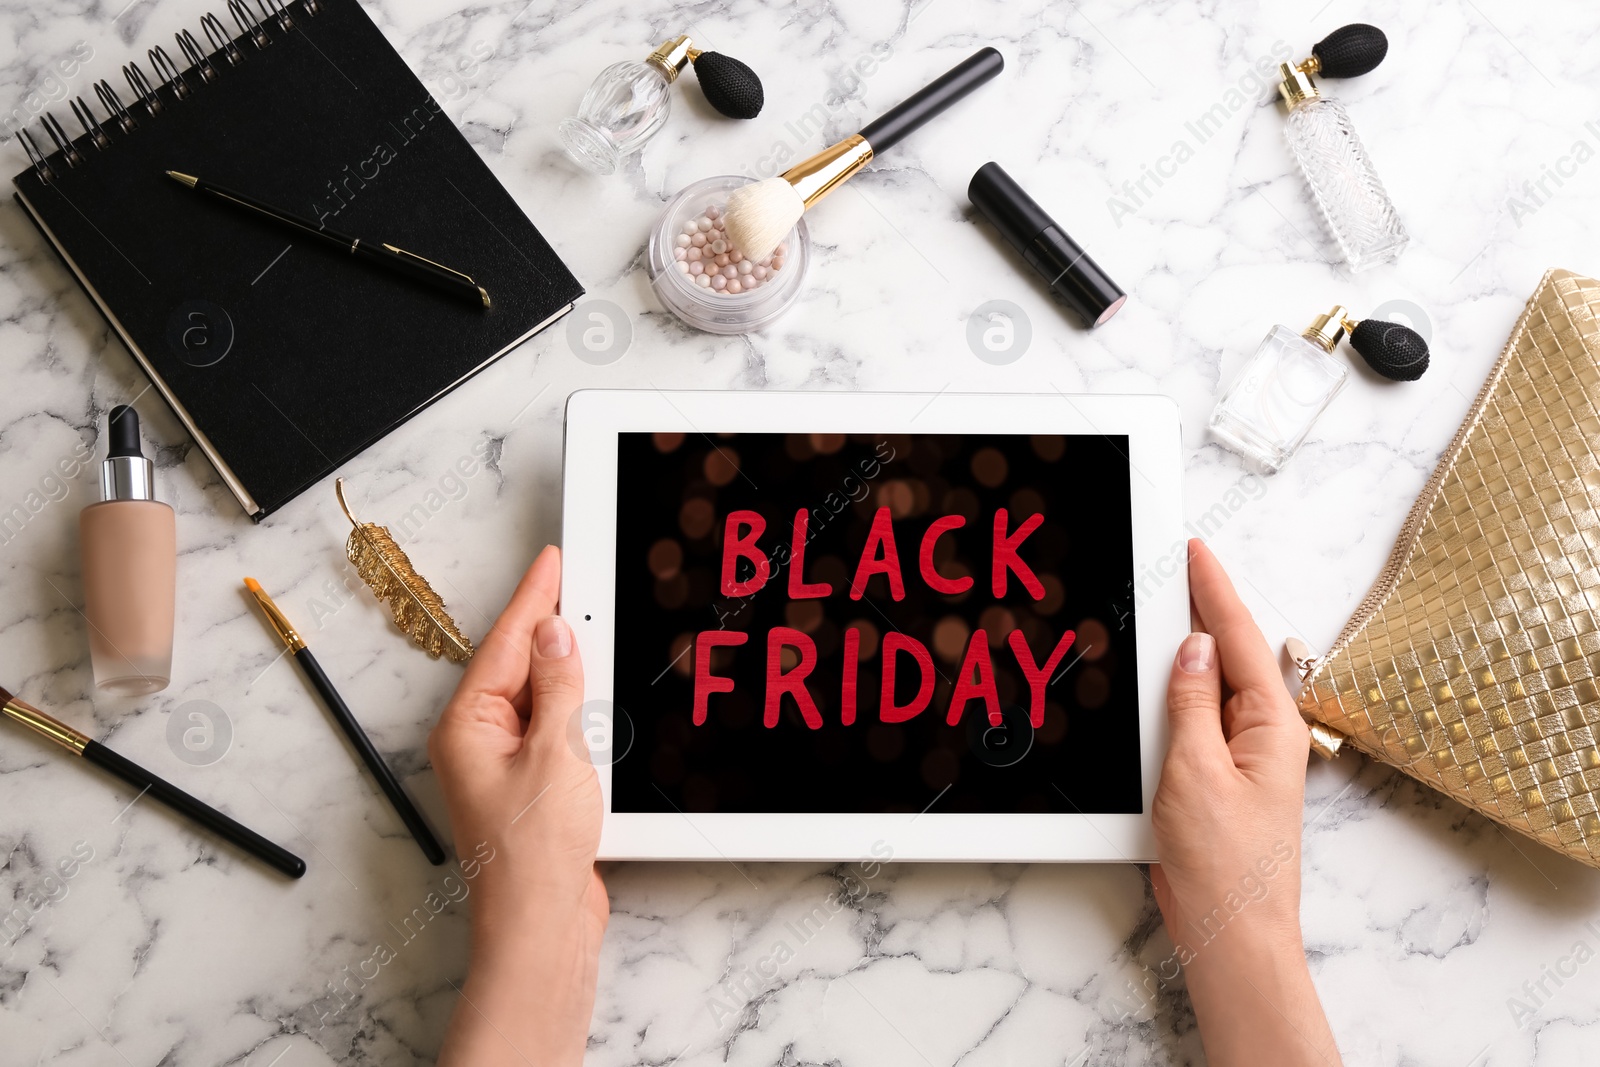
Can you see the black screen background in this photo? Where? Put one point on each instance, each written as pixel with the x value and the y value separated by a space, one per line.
pixel 674 494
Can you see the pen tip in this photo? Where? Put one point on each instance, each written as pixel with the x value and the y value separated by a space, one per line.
pixel 485 294
pixel 187 179
pixel 252 585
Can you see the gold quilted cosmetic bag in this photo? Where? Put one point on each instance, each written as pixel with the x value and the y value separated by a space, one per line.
pixel 1471 665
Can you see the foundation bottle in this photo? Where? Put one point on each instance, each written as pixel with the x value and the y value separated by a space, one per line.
pixel 129 542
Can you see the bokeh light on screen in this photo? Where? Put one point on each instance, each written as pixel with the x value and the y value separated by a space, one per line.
pixel 826 444
pixel 950 638
pixel 721 465
pixel 989 467
pixel 697 517
pixel 1094 640
pixel 665 559
pixel 1048 447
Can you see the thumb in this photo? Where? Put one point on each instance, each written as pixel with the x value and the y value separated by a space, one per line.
pixel 1194 699
pixel 555 678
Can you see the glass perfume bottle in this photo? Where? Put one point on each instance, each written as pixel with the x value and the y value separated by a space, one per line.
pixel 627 104
pixel 1346 187
pixel 1292 378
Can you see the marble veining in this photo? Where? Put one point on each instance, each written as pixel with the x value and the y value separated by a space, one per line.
pixel 1434 937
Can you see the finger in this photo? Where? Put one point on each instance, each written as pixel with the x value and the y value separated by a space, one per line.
pixel 1247 662
pixel 1194 701
pixel 500 666
pixel 555 680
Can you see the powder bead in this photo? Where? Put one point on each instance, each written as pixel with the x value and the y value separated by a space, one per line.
pixel 705 253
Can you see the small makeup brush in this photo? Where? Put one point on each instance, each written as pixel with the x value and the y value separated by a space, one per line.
pixel 759 216
pixel 86 747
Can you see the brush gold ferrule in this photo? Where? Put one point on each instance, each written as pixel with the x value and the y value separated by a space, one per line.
pixel 818 176
pixel 671 57
pixel 279 621
pixel 187 179
pixel 40 723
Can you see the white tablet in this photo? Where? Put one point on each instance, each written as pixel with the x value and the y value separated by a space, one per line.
pixel 836 626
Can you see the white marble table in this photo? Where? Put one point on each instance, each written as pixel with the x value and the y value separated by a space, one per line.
pixel 1422 920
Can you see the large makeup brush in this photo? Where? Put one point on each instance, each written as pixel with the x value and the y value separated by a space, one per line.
pixel 761 215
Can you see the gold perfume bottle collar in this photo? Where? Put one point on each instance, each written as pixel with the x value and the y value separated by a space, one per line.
pixel 1327 330
pixel 1296 86
pixel 671 57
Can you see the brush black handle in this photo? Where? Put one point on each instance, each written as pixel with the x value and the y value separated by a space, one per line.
pixel 886 131
pixel 369 755
pixel 200 812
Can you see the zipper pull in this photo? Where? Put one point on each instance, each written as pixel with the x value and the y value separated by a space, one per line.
pixel 1304 656
pixel 1325 741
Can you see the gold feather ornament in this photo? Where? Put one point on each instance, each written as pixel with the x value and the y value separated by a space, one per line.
pixel 417 609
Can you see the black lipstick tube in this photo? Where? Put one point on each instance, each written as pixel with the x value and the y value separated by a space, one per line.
pixel 1064 266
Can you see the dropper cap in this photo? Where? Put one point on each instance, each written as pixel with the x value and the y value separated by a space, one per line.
pixel 126 474
pixel 124 426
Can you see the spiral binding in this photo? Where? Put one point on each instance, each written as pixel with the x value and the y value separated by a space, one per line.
pixel 249 25
pixel 141 87
pixel 91 127
pixel 113 105
pixel 217 34
pixel 198 60
pixel 171 85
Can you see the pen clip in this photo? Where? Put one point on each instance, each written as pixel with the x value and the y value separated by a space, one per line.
pixel 424 259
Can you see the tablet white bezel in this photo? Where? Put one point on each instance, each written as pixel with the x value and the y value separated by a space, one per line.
pixel 594 418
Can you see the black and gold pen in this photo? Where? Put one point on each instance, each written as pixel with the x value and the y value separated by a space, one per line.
pixel 81 744
pixel 347 722
pixel 383 255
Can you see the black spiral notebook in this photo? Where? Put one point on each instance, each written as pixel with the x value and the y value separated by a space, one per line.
pixel 282 357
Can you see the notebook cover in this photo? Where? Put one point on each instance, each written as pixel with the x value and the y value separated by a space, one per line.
pixel 283 357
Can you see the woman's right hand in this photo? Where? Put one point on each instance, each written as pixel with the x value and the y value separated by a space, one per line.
pixel 1227 818
pixel 525 811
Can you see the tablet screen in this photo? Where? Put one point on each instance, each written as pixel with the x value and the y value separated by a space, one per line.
pixel 830 623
